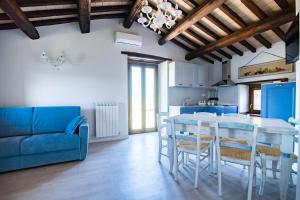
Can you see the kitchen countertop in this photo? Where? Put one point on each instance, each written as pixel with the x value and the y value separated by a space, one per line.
pixel 204 106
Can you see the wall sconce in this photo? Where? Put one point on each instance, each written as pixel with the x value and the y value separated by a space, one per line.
pixel 55 62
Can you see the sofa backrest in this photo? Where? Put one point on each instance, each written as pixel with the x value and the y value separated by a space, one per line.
pixel 15 121
pixel 53 119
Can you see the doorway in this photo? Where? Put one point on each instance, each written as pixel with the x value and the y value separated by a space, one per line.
pixel 142 78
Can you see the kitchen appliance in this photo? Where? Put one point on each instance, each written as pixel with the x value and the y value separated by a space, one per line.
pixel 212 101
pixel 237 95
pixel 226 75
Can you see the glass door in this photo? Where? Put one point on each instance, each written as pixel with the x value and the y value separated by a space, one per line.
pixel 142 97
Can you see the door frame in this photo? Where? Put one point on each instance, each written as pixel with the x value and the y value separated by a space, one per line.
pixel 143 66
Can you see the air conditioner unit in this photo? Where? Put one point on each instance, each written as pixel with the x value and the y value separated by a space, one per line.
pixel 129 39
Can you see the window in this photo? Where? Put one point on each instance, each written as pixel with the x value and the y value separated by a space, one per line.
pixel 255 99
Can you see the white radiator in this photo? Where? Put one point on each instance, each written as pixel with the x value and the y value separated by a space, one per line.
pixel 107 120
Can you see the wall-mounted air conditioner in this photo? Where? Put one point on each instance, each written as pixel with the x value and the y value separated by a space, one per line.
pixel 129 39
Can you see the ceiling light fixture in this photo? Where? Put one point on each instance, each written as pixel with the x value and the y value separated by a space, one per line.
pixel 156 20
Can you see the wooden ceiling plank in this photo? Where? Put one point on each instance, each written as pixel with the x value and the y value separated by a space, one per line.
pixel 178 43
pixel 62 21
pixel 212 34
pixel 262 15
pixel 283 4
pixel 84 7
pixel 32 3
pixel 195 35
pixel 205 41
pixel 198 13
pixel 133 13
pixel 12 9
pixel 237 19
pixel 229 31
pixel 217 37
pixel 249 31
pixel 61 12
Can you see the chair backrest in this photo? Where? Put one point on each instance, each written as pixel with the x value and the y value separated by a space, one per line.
pixel 160 117
pixel 247 116
pixel 247 131
pixel 181 129
pixel 295 122
pixel 208 114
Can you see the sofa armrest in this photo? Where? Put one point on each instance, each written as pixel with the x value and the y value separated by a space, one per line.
pixel 84 135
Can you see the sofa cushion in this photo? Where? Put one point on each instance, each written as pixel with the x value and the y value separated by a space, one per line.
pixel 15 121
pixel 10 146
pixel 43 143
pixel 53 119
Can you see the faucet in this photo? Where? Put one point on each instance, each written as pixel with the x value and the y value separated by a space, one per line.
pixel 184 102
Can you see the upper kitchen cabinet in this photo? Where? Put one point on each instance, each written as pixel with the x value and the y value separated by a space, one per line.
pixel 187 75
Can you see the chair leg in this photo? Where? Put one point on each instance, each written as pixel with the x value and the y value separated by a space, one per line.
pixel 197 170
pixel 264 175
pixel 274 168
pixel 254 176
pixel 250 184
pixel 291 181
pixel 210 158
pixel 175 164
pixel 159 150
pixel 219 170
pixel 171 154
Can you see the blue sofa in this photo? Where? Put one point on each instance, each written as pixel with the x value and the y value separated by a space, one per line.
pixel 35 136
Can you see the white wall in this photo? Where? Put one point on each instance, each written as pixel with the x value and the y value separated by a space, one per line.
pixel 95 70
pixel 177 95
pixel 215 72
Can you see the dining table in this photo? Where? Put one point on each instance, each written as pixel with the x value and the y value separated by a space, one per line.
pixel 270 131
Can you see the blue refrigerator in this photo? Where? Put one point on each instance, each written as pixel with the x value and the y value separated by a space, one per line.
pixel 278 100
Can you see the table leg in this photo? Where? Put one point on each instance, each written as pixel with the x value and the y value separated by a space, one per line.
pixel 286 164
pixel 171 154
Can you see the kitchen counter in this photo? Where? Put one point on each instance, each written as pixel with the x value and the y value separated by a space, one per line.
pixel 218 109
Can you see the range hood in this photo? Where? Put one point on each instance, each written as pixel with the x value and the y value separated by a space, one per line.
pixel 226 77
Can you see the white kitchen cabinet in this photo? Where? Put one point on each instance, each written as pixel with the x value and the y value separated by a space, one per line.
pixel 175 75
pixel 201 77
pixel 187 75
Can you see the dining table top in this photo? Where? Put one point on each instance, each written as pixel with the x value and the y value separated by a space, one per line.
pixel 269 125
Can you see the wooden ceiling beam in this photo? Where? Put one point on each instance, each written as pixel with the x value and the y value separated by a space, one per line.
pixel 262 15
pixel 249 31
pixel 198 13
pixel 131 17
pixel 237 19
pixel 62 21
pixel 84 7
pixel 283 4
pixel 12 9
pixel 61 12
pixel 227 30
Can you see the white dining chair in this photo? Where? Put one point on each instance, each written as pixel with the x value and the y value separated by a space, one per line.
pixel 186 143
pixel 235 152
pixel 162 133
pixel 269 152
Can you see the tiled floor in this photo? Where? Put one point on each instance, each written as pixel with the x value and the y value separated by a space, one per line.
pixel 124 170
